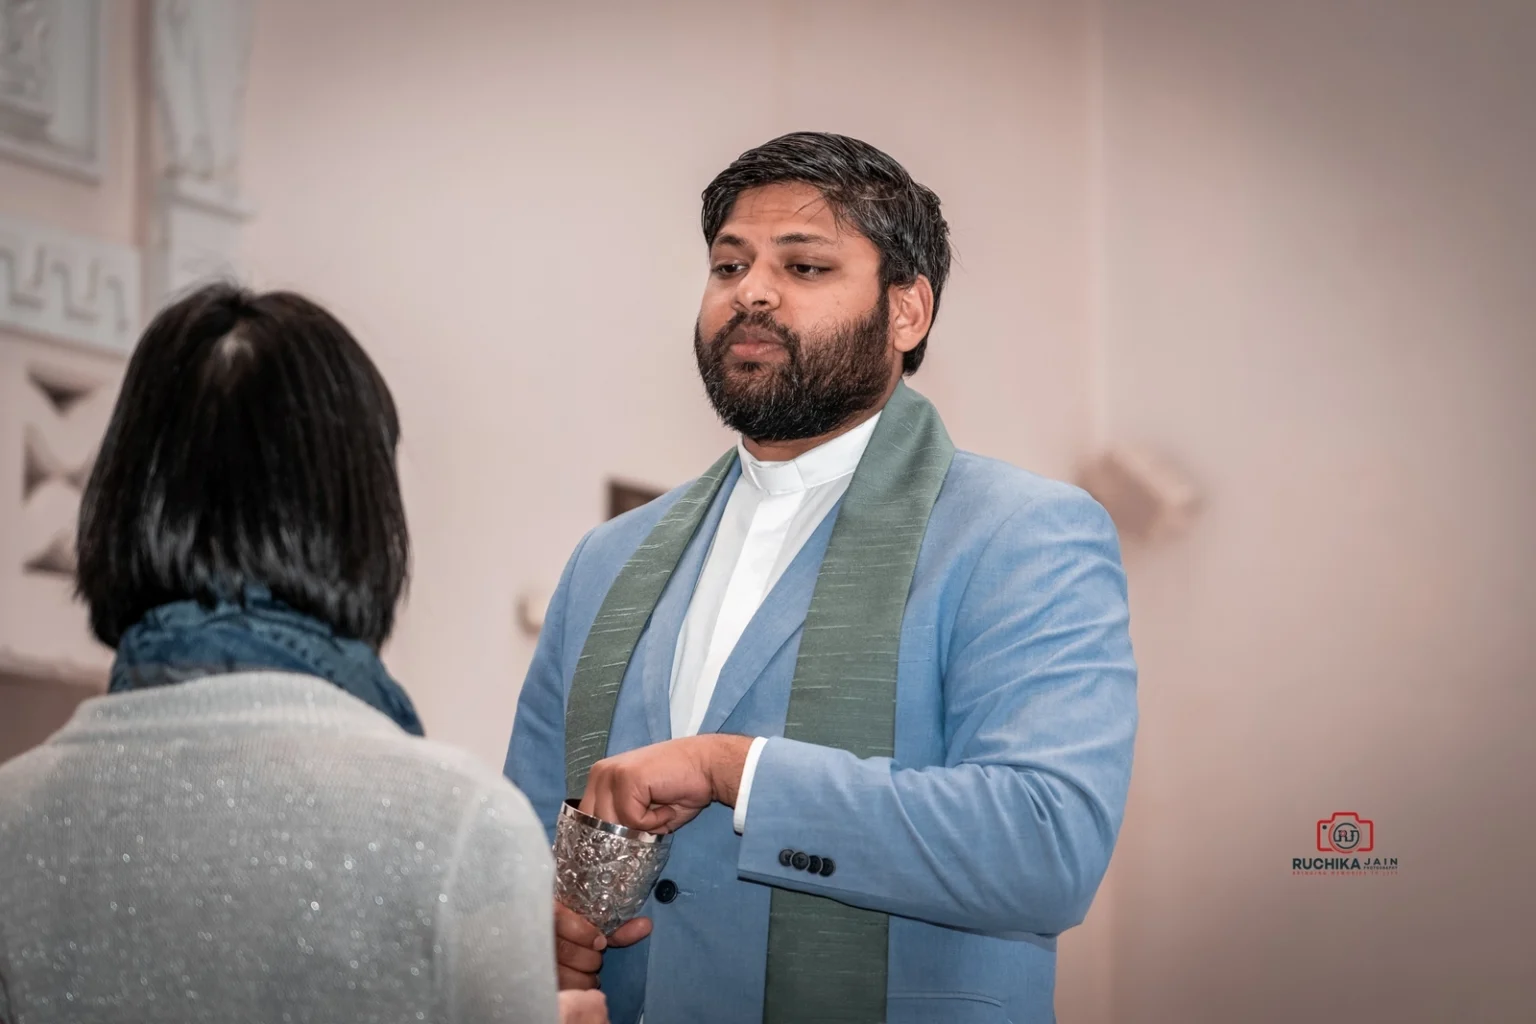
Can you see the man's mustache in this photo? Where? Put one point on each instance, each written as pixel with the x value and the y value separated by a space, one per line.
pixel 762 322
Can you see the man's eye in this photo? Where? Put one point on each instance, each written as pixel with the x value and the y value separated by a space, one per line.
pixel 727 269
pixel 807 270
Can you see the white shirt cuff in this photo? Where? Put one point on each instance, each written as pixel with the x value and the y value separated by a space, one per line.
pixel 739 818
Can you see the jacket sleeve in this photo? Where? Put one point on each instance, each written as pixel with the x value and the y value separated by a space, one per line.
pixel 536 753
pixel 1013 833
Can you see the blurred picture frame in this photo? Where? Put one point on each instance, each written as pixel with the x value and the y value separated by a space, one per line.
pixel 625 495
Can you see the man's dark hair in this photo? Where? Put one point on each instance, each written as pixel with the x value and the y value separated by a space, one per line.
pixel 866 189
pixel 253 443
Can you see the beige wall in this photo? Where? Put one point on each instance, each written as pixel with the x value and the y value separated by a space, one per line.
pixel 1317 255
pixel 502 201
pixel 109 209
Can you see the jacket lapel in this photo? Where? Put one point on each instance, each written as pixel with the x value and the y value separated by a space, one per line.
pixel 780 615
pixel 667 618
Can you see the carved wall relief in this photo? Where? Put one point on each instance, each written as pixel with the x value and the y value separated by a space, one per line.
pixel 77 290
pixel 26 60
pixel 201 55
pixel 60 435
pixel 51 84
pixel 54 408
pixel 72 307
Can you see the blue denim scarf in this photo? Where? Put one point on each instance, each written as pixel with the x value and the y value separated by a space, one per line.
pixel 182 641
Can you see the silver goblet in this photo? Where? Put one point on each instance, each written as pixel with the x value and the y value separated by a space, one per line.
pixel 604 871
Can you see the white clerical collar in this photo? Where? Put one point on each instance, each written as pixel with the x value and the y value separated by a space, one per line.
pixel 823 464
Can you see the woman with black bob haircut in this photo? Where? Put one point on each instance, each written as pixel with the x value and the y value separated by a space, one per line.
pixel 244 511
pixel 244 826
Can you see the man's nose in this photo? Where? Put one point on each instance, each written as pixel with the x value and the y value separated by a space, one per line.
pixel 756 290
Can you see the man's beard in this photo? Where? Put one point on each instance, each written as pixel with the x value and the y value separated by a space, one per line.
pixel 814 390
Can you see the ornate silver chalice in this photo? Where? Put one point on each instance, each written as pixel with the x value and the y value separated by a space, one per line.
pixel 604 871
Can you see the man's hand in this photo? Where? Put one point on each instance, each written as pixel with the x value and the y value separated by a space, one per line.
pixel 583 1008
pixel 662 787
pixel 579 947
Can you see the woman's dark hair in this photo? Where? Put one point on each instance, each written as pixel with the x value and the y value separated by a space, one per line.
pixel 253 443
pixel 866 189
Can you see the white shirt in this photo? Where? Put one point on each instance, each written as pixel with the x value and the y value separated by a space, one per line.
pixel 771 513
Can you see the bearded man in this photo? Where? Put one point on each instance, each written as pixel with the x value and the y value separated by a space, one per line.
pixel 882 690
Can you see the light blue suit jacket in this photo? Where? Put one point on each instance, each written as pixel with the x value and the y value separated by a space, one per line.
pixel 985 836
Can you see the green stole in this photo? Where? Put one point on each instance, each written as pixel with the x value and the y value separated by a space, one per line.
pixel 827 961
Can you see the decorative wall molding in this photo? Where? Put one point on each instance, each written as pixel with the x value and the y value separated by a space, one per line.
pixel 52 84
pixel 55 402
pixel 55 399
pixel 201 57
pixel 26 60
pixel 66 288
pixel 63 417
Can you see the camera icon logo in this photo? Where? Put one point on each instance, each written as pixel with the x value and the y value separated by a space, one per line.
pixel 1346 832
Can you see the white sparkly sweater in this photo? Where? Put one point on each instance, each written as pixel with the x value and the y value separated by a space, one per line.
pixel 264 847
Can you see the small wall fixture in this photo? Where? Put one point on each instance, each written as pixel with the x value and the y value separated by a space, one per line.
pixel 1148 498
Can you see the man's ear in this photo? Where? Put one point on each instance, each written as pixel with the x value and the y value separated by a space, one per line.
pixel 911 313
